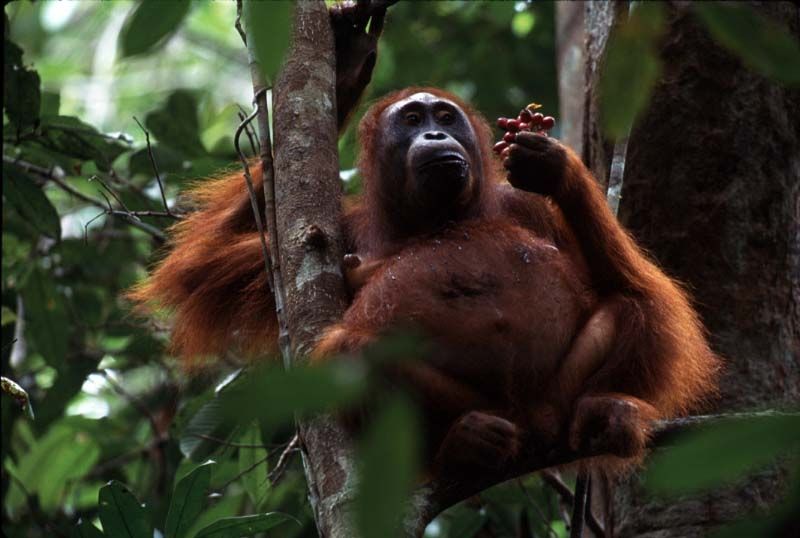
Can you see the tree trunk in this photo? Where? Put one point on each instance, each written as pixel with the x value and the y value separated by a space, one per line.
pixel 711 189
pixel 308 206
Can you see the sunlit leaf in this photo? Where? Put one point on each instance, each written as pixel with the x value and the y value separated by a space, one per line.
pixel 253 464
pixel 234 527
pixel 388 459
pixel 31 202
pixel 522 23
pixel 187 501
pixel 84 529
pixel 121 514
pixel 63 454
pixel 151 23
pixel 8 316
pixel 761 43
pixel 268 25
pixel 631 68
pixel 705 459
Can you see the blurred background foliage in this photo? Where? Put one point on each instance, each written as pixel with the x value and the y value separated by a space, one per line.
pixel 116 424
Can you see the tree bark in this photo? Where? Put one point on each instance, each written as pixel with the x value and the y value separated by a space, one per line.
pixel 308 206
pixel 711 189
pixel 571 62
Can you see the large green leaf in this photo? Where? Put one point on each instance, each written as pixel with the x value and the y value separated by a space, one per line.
pixel 268 26
pixel 705 459
pixel 209 422
pixel 31 202
pixel 234 527
pixel 46 316
pixel 176 124
pixel 121 514
pixel 387 468
pixel 631 67
pixel 761 43
pixel 152 23
pixel 187 501
pixel 63 454
pixel 300 390
pixel 253 464
pixel 21 92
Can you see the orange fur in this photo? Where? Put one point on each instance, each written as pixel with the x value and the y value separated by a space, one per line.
pixel 507 294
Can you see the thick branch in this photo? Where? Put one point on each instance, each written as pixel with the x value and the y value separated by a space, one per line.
pixel 308 206
pixel 435 497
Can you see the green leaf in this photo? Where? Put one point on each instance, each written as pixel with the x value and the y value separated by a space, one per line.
pixel 187 501
pixel 51 103
pixel 234 527
pixel 121 514
pixel 762 44
pixel 62 455
pixel 21 89
pixel 8 316
pixel 84 529
pixel 522 23
pixel 73 137
pixel 46 316
pixel 388 463
pixel 151 24
pixel 268 26
pixel 705 459
pixel 300 390
pixel 253 465
pixel 31 202
pixel 209 421
pixel 176 125
pixel 631 68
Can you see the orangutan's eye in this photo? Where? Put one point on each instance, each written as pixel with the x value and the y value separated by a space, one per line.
pixel 445 117
pixel 413 118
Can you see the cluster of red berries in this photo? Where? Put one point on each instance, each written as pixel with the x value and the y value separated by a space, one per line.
pixel 527 120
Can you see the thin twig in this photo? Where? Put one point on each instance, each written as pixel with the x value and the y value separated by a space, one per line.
pixel 293 446
pixel 553 479
pixel 238 23
pixel 224 442
pixel 134 401
pixel 536 507
pixel 579 504
pixel 153 163
pixel 260 88
pixel 56 175
pixel 248 130
pixel 253 201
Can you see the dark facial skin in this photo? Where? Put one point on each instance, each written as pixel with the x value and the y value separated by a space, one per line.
pixel 430 160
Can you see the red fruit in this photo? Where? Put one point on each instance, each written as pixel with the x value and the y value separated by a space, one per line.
pixel 548 122
pixel 499 147
pixel 524 126
pixel 505 152
pixel 537 118
pixel 513 125
pixel 502 122
pixel 525 116
pixel 509 137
